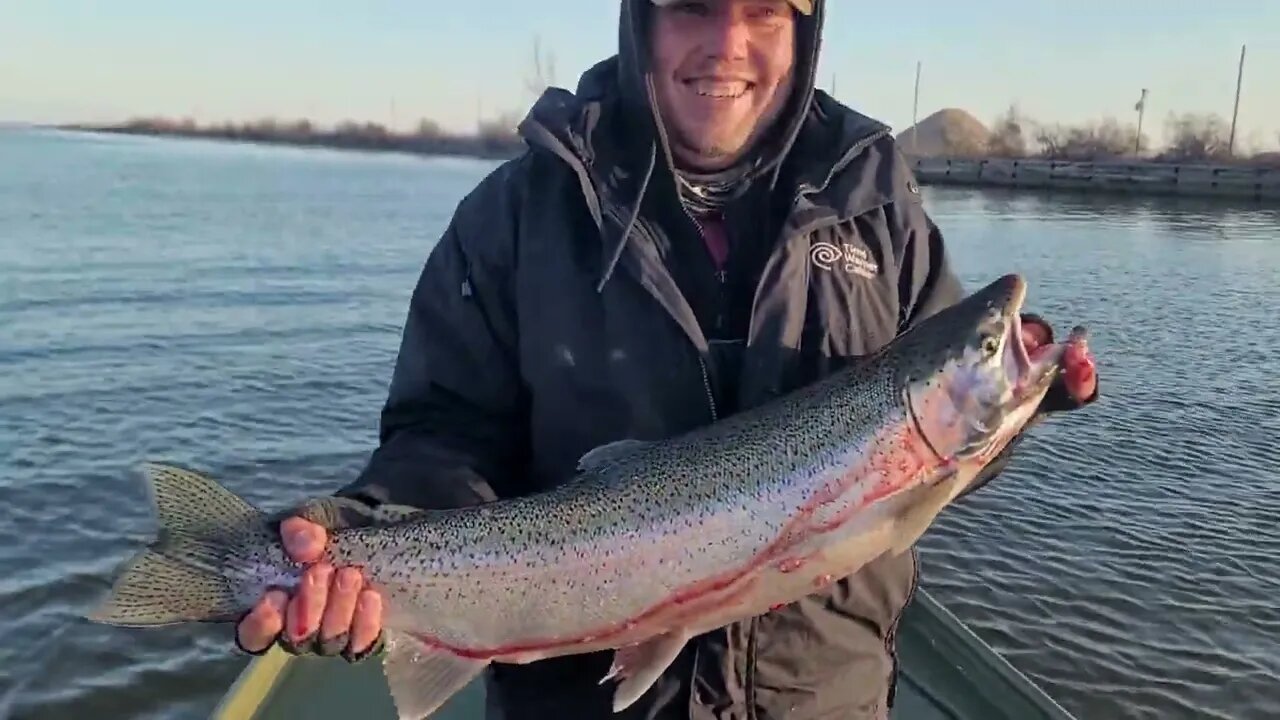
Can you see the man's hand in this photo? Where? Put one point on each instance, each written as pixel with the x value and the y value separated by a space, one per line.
pixel 331 613
pixel 1079 374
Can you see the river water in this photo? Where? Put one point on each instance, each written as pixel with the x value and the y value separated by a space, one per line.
pixel 236 308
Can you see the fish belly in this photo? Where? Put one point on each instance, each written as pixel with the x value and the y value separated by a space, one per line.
pixel 601 589
pixel 609 579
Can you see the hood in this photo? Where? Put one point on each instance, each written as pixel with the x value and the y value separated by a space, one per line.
pixel 641 109
pixel 606 132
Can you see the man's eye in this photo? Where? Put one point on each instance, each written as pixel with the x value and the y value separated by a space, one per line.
pixel 693 8
pixel 768 11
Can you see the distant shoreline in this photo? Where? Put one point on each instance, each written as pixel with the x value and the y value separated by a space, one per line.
pixel 491 146
pixel 1121 175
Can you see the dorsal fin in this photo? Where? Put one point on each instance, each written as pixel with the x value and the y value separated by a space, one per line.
pixel 337 513
pixel 609 453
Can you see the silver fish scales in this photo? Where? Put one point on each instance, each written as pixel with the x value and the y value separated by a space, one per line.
pixel 653 541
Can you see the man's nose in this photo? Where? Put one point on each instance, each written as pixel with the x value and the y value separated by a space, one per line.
pixel 727 36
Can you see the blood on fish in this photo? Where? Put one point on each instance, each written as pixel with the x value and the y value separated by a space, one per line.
pixel 681 606
pixel 822 580
pixel 895 470
pixel 790 565
pixel 909 464
pixel 685 603
pixel 726 600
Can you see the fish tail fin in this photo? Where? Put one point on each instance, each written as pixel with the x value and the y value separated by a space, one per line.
pixel 180 575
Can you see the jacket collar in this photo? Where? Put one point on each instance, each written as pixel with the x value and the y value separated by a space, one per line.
pixel 822 174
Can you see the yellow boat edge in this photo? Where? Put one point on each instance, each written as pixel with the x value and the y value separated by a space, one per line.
pixel 963 675
pixel 246 696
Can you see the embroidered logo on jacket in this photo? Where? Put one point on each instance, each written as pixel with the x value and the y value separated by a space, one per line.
pixel 847 257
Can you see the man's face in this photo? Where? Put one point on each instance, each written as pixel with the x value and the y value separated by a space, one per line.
pixel 722 73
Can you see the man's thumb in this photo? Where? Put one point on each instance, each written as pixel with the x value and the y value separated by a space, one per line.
pixel 304 541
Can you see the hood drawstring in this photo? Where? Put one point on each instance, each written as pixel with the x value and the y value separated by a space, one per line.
pixel 635 213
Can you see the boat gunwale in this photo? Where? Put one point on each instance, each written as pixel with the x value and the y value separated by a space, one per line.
pixel 962 651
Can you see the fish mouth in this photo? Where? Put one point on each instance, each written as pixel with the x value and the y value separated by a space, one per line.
pixel 1027 372
pixel 1029 375
pixel 989 392
pixel 1025 375
pixel 1030 372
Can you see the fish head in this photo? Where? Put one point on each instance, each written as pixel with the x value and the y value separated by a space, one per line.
pixel 968 381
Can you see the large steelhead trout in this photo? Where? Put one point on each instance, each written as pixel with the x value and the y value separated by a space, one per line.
pixel 652 542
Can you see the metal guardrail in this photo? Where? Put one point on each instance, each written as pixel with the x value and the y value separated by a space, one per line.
pixel 1205 180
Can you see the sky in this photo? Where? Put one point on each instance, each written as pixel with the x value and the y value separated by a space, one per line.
pixel 395 62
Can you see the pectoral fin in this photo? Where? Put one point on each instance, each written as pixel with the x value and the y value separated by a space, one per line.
pixel 423 678
pixel 637 667
pixel 921 510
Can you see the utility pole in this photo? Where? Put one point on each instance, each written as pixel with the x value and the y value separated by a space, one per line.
pixel 1142 109
pixel 915 112
pixel 1235 114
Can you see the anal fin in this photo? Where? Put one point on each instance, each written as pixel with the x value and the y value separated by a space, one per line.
pixel 422 678
pixel 637 667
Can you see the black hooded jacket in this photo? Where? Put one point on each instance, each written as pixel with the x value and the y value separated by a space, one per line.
pixel 559 312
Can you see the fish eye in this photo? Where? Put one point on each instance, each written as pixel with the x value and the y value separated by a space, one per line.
pixel 990 345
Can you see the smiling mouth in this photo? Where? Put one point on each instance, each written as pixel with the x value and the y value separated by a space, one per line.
pixel 721 89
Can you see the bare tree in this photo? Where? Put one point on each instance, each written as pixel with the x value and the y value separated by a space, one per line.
pixel 499 129
pixel 429 128
pixel 543 72
pixel 1096 141
pixel 1006 139
pixel 1052 140
pixel 1196 138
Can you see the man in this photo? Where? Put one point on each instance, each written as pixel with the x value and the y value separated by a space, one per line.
pixel 649 265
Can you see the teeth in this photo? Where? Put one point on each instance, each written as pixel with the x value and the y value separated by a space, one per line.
pixel 719 89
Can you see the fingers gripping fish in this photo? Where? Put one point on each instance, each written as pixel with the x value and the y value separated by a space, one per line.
pixel 653 542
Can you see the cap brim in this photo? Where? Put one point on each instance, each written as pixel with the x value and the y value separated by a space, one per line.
pixel 804 6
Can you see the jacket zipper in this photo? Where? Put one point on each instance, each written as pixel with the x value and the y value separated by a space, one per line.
pixel 891 638
pixel 706 385
pixel 722 276
pixel 752 629
pixel 702 364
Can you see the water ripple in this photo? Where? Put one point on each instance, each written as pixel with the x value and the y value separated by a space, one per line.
pixel 237 310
